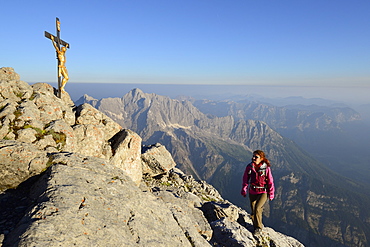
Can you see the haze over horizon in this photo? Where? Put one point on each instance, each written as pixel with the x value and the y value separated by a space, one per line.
pixel 320 48
pixel 221 92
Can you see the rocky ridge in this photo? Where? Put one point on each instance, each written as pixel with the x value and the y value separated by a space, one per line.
pixel 70 176
pixel 289 117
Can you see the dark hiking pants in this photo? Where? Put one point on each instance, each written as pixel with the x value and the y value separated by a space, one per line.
pixel 257 203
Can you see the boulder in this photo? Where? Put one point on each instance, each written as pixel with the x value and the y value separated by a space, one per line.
pixel 183 207
pixel 63 135
pixel 47 89
pixel 90 140
pixel 8 74
pixel 156 160
pixel 26 135
pixel 18 162
pixel 11 87
pixel 50 106
pixel 126 150
pixel 86 114
pixel 218 210
pixel 227 233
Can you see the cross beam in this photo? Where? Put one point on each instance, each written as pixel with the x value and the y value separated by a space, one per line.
pixel 61 42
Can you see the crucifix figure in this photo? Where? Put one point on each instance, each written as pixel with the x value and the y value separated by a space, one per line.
pixel 60 48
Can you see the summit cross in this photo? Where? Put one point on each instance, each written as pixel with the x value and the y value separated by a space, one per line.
pixel 60 48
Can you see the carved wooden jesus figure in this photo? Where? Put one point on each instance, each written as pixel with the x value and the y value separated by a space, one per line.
pixel 62 70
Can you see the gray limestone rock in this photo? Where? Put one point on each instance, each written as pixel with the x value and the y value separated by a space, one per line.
pixel 47 89
pixel 45 142
pixel 88 202
pixel 63 135
pixel 90 140
pixel 8 74
pixel 156 160
pixel 217 210
pixel 279 239
pixel 231 234
pixel 18 162
pixel 182 205
pixel 126 148
pixel 11 87
pixel 7 116
pixel 50 106
pixel 86 114
pixel 26 135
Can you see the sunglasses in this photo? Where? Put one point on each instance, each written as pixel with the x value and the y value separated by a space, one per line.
pixel 255 157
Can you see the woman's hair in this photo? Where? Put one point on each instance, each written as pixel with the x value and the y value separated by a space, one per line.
pixel 263 157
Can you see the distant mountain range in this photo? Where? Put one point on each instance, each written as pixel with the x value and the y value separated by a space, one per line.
pixel 335 136
pixel 214 140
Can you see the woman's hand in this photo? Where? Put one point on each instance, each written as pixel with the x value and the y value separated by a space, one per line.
pixel 244 191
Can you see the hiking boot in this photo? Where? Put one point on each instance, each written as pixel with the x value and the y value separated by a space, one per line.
pixel 257 232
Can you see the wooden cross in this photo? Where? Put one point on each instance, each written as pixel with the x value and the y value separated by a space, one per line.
pixel 60 48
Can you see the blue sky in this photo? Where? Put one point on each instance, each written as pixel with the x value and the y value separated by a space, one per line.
pixel 254 42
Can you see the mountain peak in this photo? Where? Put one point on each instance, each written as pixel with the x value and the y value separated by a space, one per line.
pixel 137 93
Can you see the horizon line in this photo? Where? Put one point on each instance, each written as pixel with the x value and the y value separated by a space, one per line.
pixel 218 84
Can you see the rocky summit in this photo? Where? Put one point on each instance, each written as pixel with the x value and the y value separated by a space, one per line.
pixel 70 175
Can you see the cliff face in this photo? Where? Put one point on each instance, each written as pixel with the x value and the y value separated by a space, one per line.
pixel 71 176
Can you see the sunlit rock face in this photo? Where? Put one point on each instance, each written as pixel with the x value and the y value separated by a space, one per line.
pixel 72 176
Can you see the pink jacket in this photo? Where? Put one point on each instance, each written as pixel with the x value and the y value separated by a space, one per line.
pixel 250 175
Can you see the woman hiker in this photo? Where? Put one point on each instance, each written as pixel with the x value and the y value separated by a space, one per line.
pixel 258 181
